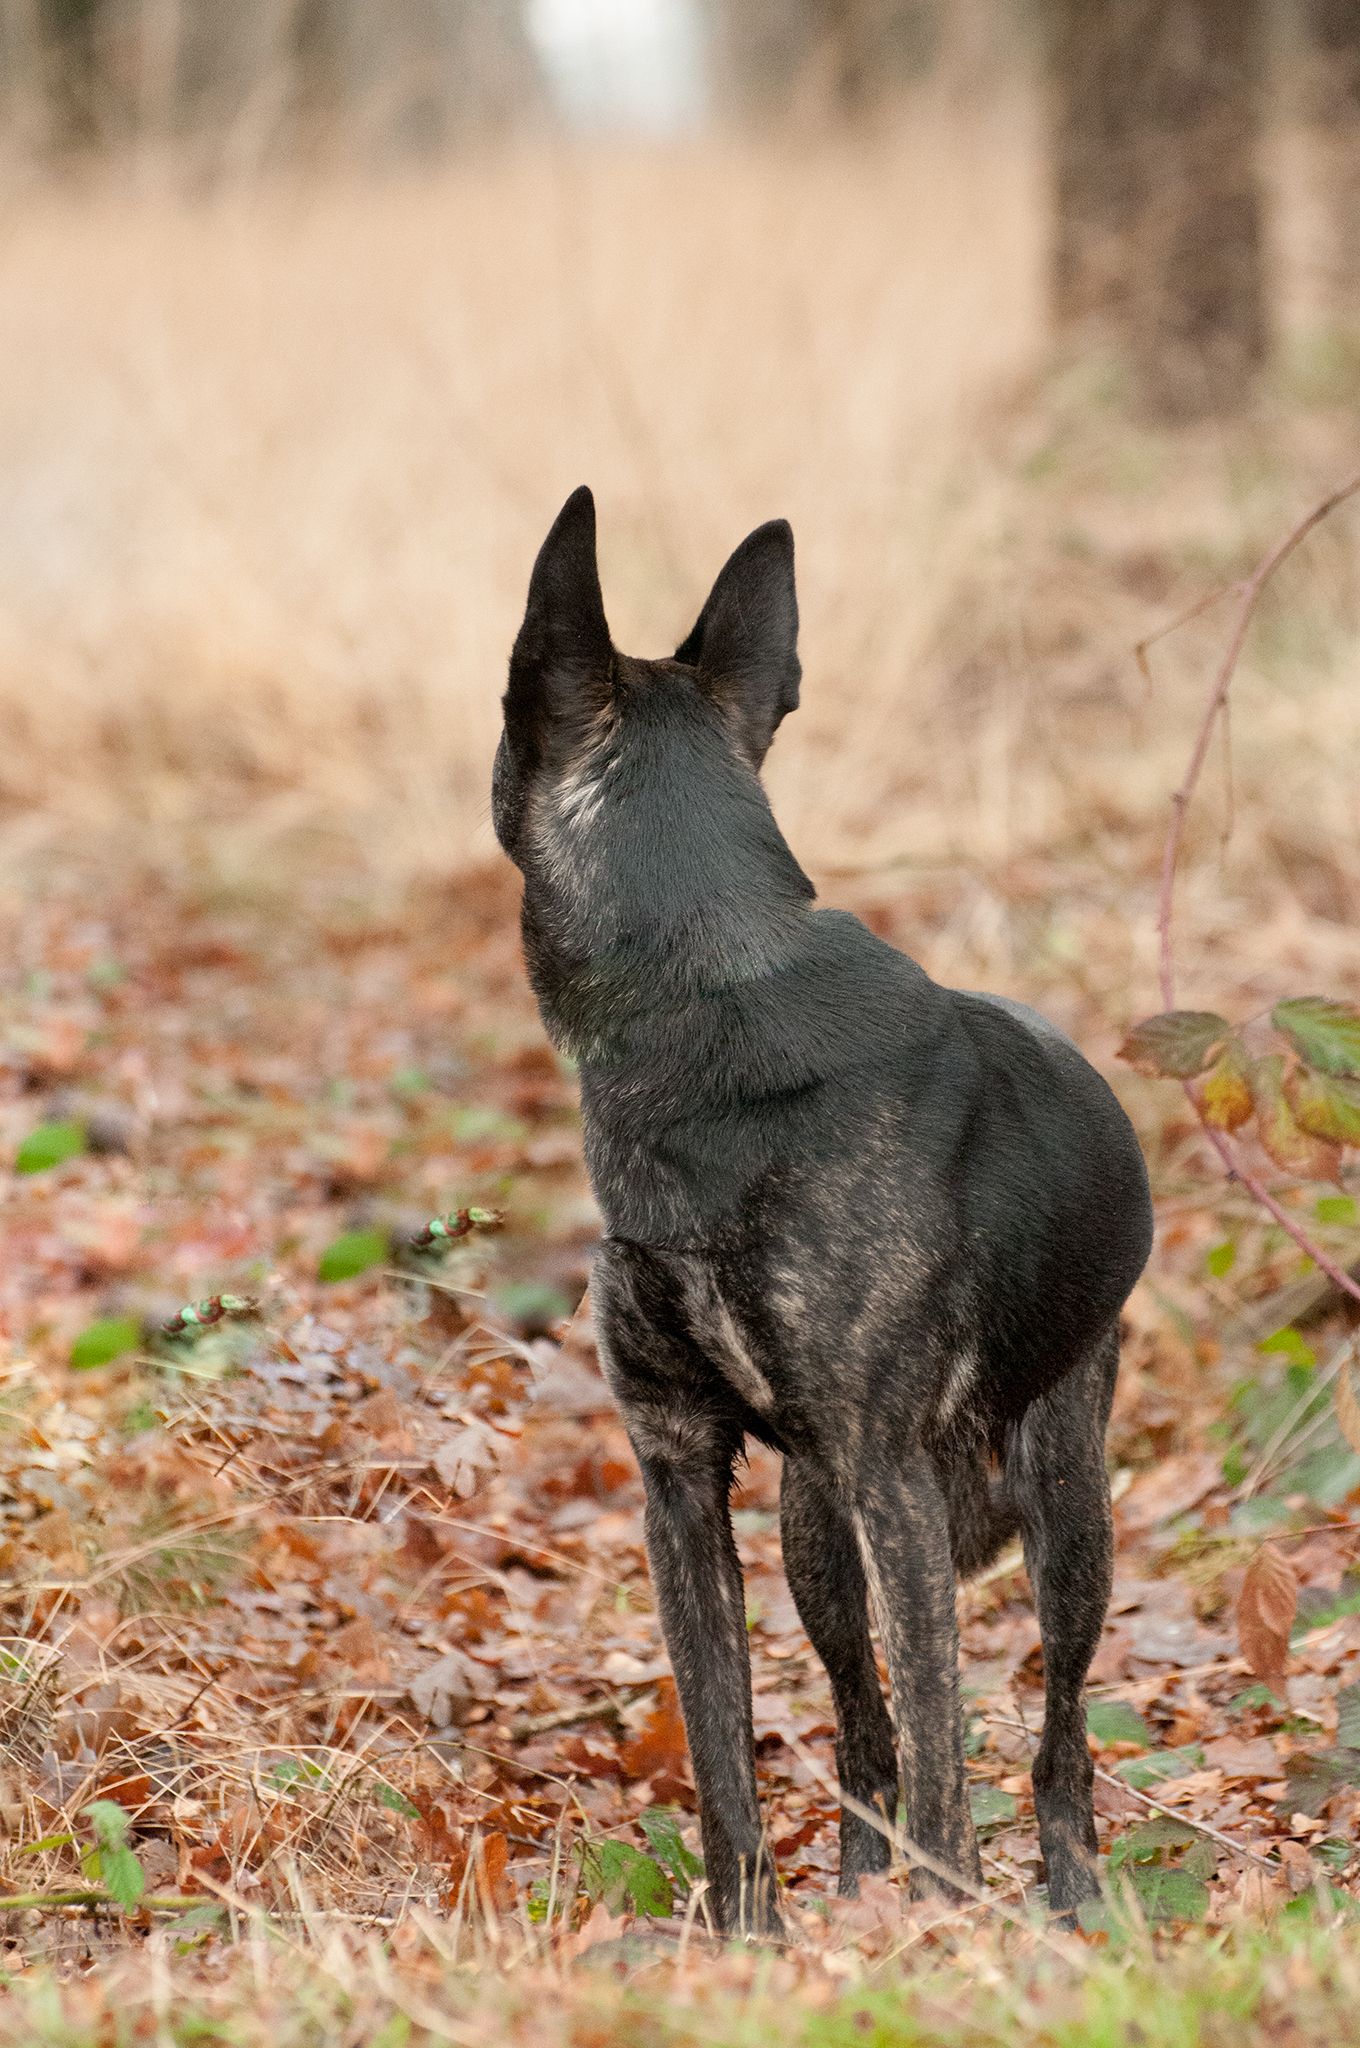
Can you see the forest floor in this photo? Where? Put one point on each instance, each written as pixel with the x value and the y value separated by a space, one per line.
pixel 330 1651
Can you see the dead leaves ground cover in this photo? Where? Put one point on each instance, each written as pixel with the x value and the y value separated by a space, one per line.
pixel 343 1603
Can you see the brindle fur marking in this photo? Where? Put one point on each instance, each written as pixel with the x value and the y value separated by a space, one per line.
pixel 883 1226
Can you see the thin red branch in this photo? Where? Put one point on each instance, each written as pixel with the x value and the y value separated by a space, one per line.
pixel 1249 593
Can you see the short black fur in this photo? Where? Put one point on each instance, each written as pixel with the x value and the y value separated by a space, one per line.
pixel 883 1226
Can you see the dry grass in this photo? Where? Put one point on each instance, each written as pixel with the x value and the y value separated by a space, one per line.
pixel 277 460
pixel 475 1977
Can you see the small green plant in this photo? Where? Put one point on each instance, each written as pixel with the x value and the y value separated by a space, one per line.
pixel 50 1144
pixel 100 1343
pixel 625 1879
pixel 1116 1721
pixel 108 1860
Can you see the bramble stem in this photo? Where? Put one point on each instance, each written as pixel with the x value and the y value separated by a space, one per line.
pixel 1248 593
pixel 85 1895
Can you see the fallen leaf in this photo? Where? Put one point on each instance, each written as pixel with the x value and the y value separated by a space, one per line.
pixel 445 1688
pixel 1266 1607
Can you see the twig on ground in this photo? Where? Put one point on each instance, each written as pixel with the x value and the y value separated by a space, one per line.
pixel 911 1853
pixel 526 1725
pixel 1201 1827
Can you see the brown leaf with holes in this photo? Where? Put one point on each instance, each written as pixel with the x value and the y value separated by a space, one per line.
pixel 1266 1607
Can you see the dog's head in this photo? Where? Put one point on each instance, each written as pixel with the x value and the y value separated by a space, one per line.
pixel 605 757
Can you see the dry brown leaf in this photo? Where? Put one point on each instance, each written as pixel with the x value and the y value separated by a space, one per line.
pixel 658 1751
pixel 445 1687
pixel 1237 1756
pixel 1266 1607
pixel 380 1415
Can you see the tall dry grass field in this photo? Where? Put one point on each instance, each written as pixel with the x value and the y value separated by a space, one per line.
pixel 276 458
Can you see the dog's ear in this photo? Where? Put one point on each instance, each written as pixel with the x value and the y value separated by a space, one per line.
pixel 744 645
pixel 562 662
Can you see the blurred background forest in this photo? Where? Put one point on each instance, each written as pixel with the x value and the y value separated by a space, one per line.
pixel 1031 317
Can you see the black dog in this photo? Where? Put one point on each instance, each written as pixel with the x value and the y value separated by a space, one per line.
pixel 883 1226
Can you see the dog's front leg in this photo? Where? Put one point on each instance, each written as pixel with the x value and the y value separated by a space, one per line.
pixel 687 1471
pixel 903 1530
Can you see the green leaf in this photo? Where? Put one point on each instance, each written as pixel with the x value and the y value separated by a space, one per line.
pixel 625 1879
pixel 1176 1045
pixel 1324 1032
pixel 1161 1764
pixel 1325 1105
pixel 50 1145
pixel 295 1770
pixel 1348 1717
pixel 1221 1258
pixel 62 1841
pixel 1298 1151
pixel 1169 1894
pixel 990 1806
pixel 1313 1776
pixel 409 1081
pixel 1337 1209
pixel 1116 1721
pixel 661 1826
pixel 111 1860
pixel 1150 1841
pixel 396 1802
pixel 353 1253
pixel 1307 1905
pixel 1291 1345
pixel 393 2033
pixel 123 1877
pixel 533 1302
pixel 1254 1696
pixel 101 1342
pixel 110 1822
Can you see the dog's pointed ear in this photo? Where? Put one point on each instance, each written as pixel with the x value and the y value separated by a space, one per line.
pixel 562 662
pixel 744 645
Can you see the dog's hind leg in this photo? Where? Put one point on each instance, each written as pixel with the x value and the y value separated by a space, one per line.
pixel 901 1524
pixel 826 1578
pixel 1055 1469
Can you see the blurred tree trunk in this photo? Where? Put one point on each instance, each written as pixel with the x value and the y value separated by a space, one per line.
pixel 70 35
pixel 777 56
pixel 412 76
pixel 1332 58
pixel 1157 245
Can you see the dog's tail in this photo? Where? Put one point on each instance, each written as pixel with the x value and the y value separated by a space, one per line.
pixel 982 1517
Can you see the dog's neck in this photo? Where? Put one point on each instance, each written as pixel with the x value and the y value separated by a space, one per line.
pixel 626 957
